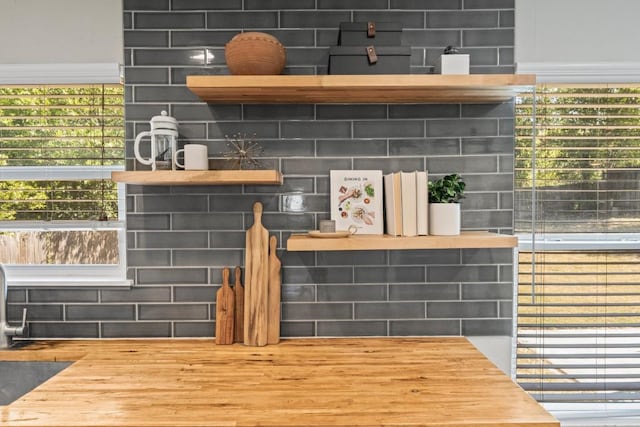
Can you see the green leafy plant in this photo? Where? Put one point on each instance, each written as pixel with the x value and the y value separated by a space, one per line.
pixel 448 189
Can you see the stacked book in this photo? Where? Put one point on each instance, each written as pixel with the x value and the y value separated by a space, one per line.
pixel 406 203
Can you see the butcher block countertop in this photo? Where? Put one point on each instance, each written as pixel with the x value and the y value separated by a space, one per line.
pixel 299 382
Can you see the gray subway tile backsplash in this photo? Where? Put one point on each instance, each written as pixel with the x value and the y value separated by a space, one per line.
pixel 390 310
pixel 425 4
pixel 494 37
pixel 145 39
pixel 480 327
pixel 489 4
pixel 100 312
pixel 168 20
pixel 173 312
pixel 312 19
pixel 424 327
pixel 136 329
pixel 35 312
pixel 463 19
pixel 424 292
pixel 352 328
pixel 194 329
pixel 205 4
pixel 238 20
pixel 317 311
pixel 180 237
pixel 358 292
pixel 408 19
pixel 62 295
pixel 390 274
pixel 63 330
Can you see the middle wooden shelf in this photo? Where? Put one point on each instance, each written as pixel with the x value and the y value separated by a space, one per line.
pixel 209 177
pixel 465 240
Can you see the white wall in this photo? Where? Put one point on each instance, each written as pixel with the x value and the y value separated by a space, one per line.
pixel 497 349
pixel 60 41
pixel 588 36
pixel 60 31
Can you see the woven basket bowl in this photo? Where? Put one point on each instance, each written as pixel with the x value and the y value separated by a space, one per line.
pixel 255 53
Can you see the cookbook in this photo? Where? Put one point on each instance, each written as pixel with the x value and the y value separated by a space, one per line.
pixel 356 200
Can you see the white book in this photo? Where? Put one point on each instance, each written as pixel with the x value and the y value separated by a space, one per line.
pixel 409 208
pixel 422 203
pixel 356 200
pixel 393 204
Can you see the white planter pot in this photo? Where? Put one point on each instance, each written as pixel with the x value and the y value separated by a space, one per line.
pixel 444 219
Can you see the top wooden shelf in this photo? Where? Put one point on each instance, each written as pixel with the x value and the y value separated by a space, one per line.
pixel 345 89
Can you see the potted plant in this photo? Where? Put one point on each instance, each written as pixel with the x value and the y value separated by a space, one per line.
pixel 444 207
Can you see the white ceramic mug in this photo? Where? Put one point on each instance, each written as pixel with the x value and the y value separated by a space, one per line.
pixel 195 157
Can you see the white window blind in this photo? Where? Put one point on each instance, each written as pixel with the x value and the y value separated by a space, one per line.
pixel 577 206
pixel 58 146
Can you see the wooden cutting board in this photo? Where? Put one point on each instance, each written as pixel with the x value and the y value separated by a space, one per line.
pixel 238 290
pixel 256 281
pixel 273 334
pixel 225 308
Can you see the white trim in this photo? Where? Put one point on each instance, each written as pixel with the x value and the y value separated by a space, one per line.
pixel 598 72
pixel 57 173
pixel 595 414
pixel 66 275
pixel 38 74
pixel 60 225
pixel 579 241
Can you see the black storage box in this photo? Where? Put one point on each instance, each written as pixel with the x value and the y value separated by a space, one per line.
pixel 360 60
pixel 370 33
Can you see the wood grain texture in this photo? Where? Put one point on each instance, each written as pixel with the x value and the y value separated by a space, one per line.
pixel 213 177
pixel 256 281
pixel 225 309
pixel 238 289
pixel 273 329
pixel 396 88
pixel 466 239
pixel 305 382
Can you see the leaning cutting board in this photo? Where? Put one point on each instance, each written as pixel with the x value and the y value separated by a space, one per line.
pixel 273 334
pixel 256 281
pixel 238 290
pixel 225 308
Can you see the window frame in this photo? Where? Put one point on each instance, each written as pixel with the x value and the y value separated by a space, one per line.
pixel 536 241
pixel 68 275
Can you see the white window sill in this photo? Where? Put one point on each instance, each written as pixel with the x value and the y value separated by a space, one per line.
pixel 65 276
pixel 579 241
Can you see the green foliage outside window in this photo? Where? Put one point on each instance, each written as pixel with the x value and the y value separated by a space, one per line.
pixel 60 126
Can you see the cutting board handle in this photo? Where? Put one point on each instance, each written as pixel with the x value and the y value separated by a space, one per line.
pixel 273 244
pixel 225 277
pixel 257 213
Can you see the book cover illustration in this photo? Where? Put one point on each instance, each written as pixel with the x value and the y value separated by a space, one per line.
pixel 356 200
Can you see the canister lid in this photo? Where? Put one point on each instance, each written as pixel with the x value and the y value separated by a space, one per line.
pixel 164 121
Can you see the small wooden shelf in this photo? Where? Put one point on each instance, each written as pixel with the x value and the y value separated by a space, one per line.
pixel 341 89
pixel 212 177
pixel 466 240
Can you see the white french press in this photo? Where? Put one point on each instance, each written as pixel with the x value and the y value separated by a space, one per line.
pixel 164 136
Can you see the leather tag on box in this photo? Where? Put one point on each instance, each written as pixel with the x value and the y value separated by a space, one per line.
pixel 371 54
pixel 371 29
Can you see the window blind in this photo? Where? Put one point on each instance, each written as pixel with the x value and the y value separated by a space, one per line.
pixel 48 129
pixel 578 174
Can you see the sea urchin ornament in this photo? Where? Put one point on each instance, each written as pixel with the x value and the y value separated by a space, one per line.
pixel 243 151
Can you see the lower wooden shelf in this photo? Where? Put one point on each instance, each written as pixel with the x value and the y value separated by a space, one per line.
pixel 210 177
pixel 466 240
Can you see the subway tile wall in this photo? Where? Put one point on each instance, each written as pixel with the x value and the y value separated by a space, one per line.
pixel 180 238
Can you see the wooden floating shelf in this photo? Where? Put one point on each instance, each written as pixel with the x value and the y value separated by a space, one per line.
pixel 341 89
pixel 212 177
pixel 466 240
